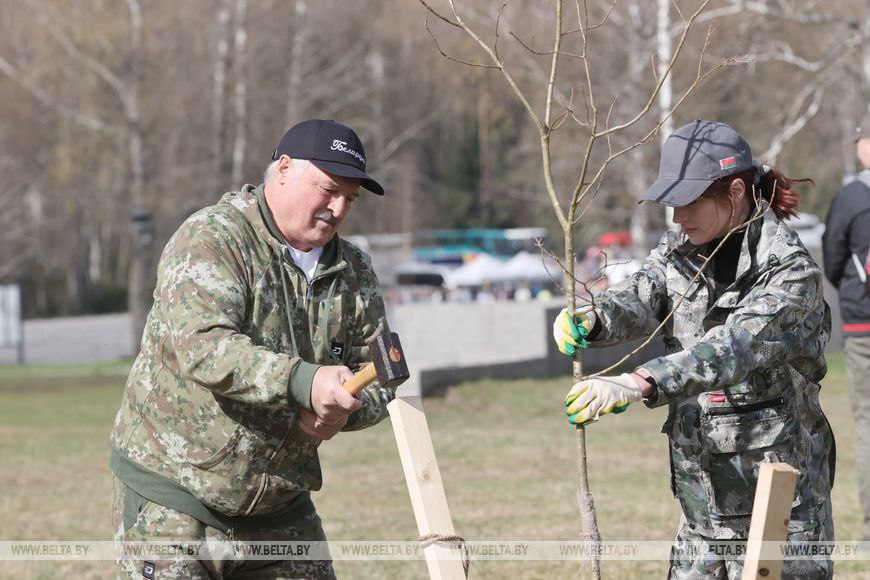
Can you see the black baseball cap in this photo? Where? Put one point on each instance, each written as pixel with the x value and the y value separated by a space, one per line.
pixel 329 145
pixel 693 157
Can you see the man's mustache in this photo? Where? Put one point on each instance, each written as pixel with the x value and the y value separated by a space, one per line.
pixel 326 216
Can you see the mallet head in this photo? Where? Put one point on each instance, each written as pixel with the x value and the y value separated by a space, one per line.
pixel 389 359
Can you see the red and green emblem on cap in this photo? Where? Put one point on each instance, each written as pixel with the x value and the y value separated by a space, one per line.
pixel 728 163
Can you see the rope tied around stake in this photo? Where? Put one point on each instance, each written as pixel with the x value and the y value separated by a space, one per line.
pixel 453 540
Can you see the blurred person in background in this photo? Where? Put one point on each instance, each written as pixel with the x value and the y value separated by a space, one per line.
pixel 745 332
pixel 260 313
pixel 845 246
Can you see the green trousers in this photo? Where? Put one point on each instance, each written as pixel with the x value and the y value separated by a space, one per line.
pixel 135 519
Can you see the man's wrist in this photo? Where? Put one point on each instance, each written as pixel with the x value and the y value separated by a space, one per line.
pixel 301 379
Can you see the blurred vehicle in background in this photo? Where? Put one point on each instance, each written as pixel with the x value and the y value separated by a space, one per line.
pixel 455 247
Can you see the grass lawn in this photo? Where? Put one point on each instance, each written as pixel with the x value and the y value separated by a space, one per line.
pixel 506 454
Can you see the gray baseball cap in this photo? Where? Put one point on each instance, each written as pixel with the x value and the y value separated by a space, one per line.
pixel 693 157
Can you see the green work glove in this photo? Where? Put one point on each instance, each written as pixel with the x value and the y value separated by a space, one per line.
pixel 570 332
pixel 589 399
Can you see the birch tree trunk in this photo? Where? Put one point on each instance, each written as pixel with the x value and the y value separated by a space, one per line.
pixel 638 52
pixel 294 83
pixel 219 97
pixel 240 94
pixel 664 53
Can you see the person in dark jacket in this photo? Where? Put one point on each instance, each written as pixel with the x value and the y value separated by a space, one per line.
pixel 845 245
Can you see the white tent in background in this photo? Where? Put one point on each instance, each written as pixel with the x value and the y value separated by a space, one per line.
pixel 484 269
pixel 529 267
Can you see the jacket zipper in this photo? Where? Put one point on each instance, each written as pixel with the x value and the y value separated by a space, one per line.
pixel 736 410
pixel 688 270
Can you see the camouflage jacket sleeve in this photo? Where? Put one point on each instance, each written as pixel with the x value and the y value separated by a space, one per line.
pixel 634 307
pixel 203 289
pixel 370 322
pixel 778 320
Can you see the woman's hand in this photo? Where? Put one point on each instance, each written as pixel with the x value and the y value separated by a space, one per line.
pixel 589 399
pixel 570 332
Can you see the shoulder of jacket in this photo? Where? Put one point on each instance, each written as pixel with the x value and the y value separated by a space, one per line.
pixel 855 192
pixel 220 224
pixel 782 244
pixel 354 255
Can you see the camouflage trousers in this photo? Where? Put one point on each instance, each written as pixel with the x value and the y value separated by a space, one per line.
pixel 857 373
pixel 704 565
pixel 135 519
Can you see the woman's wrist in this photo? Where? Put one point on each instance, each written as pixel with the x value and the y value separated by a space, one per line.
pixel 645 382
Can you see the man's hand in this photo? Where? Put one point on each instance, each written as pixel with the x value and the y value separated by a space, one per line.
pixel 570 332
pixel 311 424
pixel 589 399
pixel 329 401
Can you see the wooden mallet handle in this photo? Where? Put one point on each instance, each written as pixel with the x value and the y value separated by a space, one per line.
pixel 361 380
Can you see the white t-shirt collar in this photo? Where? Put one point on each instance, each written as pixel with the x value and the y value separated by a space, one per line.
pixel 307 261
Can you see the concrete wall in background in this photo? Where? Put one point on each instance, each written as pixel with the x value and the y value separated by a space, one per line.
pixel 449 343
pixel 445 343
pixel 79 339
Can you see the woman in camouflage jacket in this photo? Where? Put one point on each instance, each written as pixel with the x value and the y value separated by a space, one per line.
pixel 740 305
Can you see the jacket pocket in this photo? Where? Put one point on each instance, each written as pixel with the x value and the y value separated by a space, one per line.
pixel 221 453
pixel 229 479
pixel 736 443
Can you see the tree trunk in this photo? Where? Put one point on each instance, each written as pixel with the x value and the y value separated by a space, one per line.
pixel 240 95
pixel 665 97
pixel 375 62
pixel 294 96
pixel 141 266
pixel 219 97
pixel 638 47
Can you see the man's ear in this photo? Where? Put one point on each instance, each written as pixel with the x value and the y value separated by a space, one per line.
pixel 737 189
pixel 283 170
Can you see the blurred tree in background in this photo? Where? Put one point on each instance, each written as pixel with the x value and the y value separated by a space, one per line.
pixel 111 107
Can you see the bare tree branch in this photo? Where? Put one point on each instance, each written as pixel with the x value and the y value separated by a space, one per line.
pixel 543 52
pixel 453 58
pixel 677 50
pixel 497 23
pixel 439 15
pixel 594 26
pixel 407 134
pixel 51 102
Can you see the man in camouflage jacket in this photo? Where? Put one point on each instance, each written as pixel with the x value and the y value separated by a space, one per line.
pixel 745 330
pixel 239 374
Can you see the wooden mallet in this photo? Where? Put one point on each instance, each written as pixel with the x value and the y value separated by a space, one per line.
pixel 388 365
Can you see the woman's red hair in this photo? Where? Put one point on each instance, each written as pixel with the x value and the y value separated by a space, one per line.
pixel 774 187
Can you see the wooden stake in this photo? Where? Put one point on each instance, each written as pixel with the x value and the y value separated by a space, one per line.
pixel 770 516
pixel 424 485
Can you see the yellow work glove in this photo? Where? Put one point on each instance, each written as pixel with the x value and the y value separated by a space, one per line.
pixel 589 399
pixel 570 332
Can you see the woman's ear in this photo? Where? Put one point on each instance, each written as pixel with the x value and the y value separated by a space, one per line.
pixel 737 190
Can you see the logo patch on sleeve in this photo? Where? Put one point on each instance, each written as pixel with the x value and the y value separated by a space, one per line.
pixel 148 570
pixel 337 349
